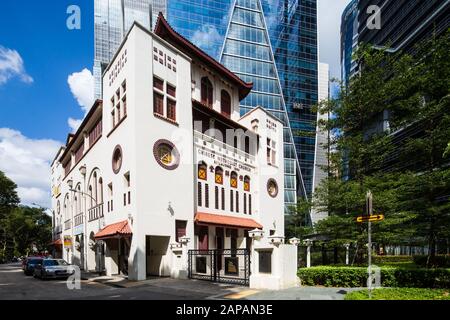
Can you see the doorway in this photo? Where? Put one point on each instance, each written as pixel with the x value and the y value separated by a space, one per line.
pixel 157 262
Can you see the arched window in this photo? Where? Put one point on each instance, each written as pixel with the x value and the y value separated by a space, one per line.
pixel 219 175
pixel 247 183
pixel 202 171
pixel 66 208
pixel 207 92
pixel 95 191
pixel 78 202
pixel 100 190
pixel 225 103
pixel 233 180
pixel 91 196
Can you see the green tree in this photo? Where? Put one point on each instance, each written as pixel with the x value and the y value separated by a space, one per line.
pixel 411 191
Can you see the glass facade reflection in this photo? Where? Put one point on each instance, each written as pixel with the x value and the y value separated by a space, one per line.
pixel 272 43
pixel 112 21
pixel 349 40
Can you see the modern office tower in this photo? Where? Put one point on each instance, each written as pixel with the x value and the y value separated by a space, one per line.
pixel 113 19
pixel 349 40
pixel 322 138
pixel 248 36
pixel 404 23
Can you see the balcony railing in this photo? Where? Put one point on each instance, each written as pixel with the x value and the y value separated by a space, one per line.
pixel 203 140
pixel 96 212
pixel 79 219
pixel 67 224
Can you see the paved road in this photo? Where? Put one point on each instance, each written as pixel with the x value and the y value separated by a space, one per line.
pixel 15 285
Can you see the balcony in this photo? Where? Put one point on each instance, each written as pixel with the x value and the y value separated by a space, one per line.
pixel 204 141
pixel 67 224
pixel 96 212
pixel 79 219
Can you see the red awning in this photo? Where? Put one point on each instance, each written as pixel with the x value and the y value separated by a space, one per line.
pixel 57 242
pixel 217 219
pixel 115 230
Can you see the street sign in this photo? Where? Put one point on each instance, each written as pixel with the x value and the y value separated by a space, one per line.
pixel 371 218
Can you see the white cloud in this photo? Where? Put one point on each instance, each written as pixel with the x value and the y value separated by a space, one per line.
pixel 329 28
pixel 82 87
pixel 27 162
pixel 12 65
pixel 207 37
pixel 74 124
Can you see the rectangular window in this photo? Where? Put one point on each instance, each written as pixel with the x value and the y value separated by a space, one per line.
pixel 180 229
pixel 79 153
pixel 265 261
pixel 231 200
pixel 158 84
pixel 171 90
pixel 245 203
pixel 158 104
pixel 223 199
pixel 216 202
pixel 250 204
pixel 237 201
pixel 95 133
pixel 129 197
pixel 206 195
pixel 124 199
pixel 171 109
pixel 199 194
pixel 113 118
pixel 124 103
pixel 124 87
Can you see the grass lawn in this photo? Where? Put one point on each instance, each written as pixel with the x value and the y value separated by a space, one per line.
pixel 401 294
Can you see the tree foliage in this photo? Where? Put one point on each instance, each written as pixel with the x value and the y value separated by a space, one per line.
pixel 409 177
pixel 21 228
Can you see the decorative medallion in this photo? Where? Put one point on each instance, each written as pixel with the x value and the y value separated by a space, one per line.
pixel 166 154
pixel 272 188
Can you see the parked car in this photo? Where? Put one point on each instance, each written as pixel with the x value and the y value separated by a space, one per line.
pixel 29 264
pixel 53 268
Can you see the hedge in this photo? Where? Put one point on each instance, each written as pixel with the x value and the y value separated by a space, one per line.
pixel 440 261
pixel 390 277
pixel 391 259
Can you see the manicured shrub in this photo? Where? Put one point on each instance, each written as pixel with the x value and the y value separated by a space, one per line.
pixel 400 294
pixel 440 261
pixel 391 259
pixel 390 277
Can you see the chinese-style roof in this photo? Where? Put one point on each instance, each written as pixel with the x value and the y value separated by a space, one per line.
pixel 115 230
pixel 222 220
pixel 165 31
pixel 214 114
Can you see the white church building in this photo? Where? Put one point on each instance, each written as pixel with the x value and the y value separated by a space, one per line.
pixel 165 178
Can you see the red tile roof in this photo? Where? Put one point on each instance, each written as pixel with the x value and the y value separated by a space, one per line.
pixel 217 219
pixel 115 230
pixel 165 31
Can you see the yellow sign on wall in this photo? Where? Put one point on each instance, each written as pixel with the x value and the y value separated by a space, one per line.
pixel 67 241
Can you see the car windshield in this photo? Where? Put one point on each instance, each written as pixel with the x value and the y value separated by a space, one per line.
pixel 62 263
pixel 50 263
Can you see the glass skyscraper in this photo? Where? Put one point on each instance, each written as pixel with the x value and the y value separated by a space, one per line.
pixel 272 43
pixel 112 20
pixel 349 40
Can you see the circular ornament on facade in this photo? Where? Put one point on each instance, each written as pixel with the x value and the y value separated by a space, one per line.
pixel 272 188
pixel 166 154
pixel 117 159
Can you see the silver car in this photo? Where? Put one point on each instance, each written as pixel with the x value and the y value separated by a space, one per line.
pixel 53 268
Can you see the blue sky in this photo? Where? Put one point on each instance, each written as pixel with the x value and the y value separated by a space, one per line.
pixel 39 56
pixel 51 52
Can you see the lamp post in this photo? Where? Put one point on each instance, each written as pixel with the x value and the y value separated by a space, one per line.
pixel 347 247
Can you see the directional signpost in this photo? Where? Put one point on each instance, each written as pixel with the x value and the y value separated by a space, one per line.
pixel 369 218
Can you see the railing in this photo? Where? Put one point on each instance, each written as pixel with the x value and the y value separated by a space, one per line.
pixel 96 212
pixel 67 224
pixel 79 219
pixel 206 141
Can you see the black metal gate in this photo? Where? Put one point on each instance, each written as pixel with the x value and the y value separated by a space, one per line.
pixel 224 266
